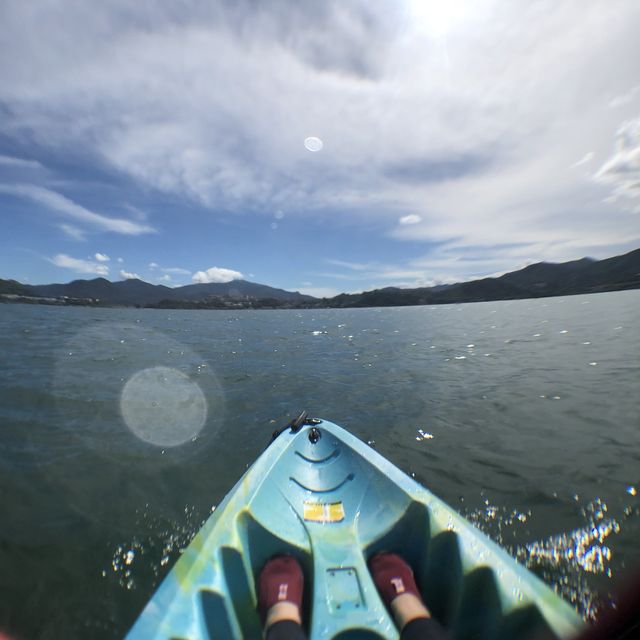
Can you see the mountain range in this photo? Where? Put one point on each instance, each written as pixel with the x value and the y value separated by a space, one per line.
pixel 537 280
pixel 137 292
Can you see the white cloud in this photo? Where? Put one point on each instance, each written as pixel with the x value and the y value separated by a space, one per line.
pixel 102 257
pixel 138 214
pixel 412 218
pixel 622 169
pixel 216 274
pixel 165 278
pixel 353 266
pixel 65 206
pixel 10 161
pixel 335 276
pixel 587 157
pixel 480 150
pixel 128 275
pixel 377 271
pixel 176 270
pixel 444 267
pixel 73 232
pixel 79 265
pixel 170 270
pixel 120 260
pixel 625 98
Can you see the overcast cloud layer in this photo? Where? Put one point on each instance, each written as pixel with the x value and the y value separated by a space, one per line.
pixel 493 133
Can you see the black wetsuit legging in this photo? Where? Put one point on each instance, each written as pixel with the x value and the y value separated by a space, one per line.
pixel 418 629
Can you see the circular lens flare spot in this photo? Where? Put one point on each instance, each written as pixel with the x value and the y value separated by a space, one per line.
pixel 163 406
pixel 313 144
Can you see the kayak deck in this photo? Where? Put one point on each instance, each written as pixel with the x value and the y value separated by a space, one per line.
pixel 332 502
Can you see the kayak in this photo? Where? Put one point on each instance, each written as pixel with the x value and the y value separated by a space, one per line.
pixel 322 495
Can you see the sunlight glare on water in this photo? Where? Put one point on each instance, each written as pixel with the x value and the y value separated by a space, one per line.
pixel 163 406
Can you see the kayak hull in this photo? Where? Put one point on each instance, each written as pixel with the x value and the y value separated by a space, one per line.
pixel 330 500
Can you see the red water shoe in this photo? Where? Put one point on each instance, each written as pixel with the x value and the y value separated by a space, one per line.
pixel 392 576
pixel 280 580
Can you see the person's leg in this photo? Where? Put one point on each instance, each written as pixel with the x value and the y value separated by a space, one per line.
pixel 285 630
pixel 407 607
pixel 280 588
pixel 422 629
pixel 397 587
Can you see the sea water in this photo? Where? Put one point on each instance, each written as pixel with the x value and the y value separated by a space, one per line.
pixel 122 429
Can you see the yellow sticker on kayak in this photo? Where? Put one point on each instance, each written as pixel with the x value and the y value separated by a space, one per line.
pixel 323 511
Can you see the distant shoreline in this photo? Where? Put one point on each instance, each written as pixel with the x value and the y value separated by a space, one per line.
pixel 540 280
pixel 259 305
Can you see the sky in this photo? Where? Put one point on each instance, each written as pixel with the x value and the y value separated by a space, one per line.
pixel 320 147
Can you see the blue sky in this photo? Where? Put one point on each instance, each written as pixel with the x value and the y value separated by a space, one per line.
pixel 320 147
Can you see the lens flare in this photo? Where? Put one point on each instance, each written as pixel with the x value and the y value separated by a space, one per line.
pixel 313 144
pixel 163 406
